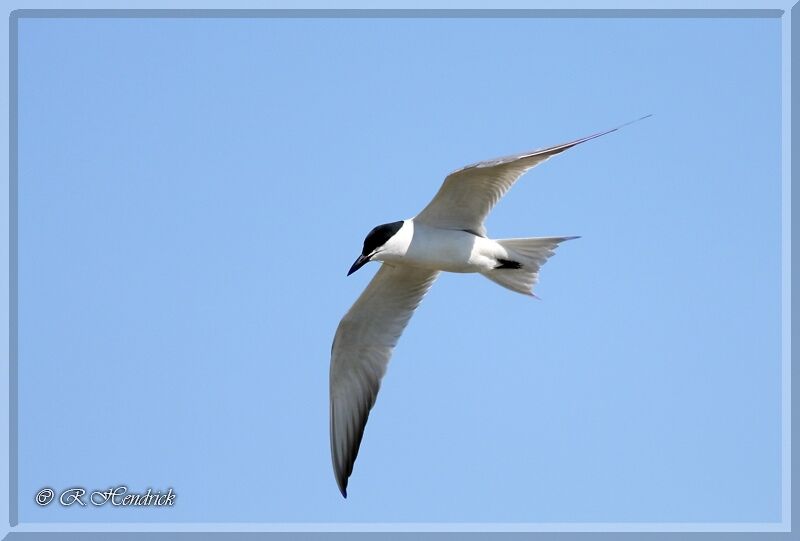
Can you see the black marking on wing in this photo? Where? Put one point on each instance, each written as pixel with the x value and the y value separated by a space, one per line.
pixel 508 264
pixel 343 465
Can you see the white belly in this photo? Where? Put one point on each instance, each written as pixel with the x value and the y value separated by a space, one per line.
pixel 448 250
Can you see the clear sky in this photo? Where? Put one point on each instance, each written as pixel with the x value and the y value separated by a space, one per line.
pixel 193 191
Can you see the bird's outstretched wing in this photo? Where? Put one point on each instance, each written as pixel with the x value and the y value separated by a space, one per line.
pixel 469 194
pixel 361 350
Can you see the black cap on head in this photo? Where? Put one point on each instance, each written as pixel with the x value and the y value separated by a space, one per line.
pixel 379 235
pixel 375 239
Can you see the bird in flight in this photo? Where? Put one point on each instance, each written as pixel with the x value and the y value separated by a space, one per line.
pixel 448 235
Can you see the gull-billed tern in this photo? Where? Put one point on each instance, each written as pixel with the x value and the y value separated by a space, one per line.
pixel 448 235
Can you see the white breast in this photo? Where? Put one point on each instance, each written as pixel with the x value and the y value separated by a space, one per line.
pixel 441 249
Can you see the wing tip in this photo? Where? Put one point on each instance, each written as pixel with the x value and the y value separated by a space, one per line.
pixel 340 474
pixel 341 481
pixel 566 146
pixel 648 115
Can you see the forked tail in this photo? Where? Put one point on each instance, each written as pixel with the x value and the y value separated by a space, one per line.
pixel 520 270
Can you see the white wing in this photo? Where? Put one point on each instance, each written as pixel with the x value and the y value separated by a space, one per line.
pixel 469 194
pixel 361 350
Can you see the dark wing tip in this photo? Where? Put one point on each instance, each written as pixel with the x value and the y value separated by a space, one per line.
pixel 340 473
pixel 341 482
pixel 549 151
pixel 344 468
pixel 561 148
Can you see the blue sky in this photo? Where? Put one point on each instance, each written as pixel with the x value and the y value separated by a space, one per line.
pixel 193 191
